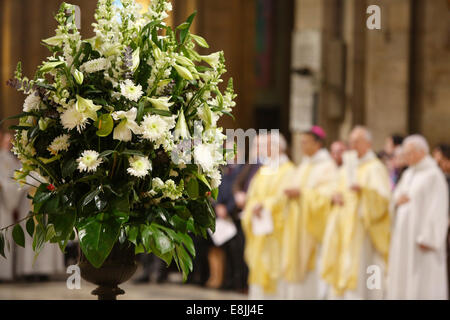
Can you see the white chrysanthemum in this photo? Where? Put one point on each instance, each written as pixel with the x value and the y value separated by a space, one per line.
pixel 207 156
pixel 139 166
pixel 89 161
pixel 32 102
pixel 72 118
pixel 154 127
pixel 131 91
pixel 95 65
pixel 60 143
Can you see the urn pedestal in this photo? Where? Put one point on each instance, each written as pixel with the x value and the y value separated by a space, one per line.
pixel 118 268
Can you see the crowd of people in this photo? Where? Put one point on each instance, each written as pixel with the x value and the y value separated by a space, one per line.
pixel 347 223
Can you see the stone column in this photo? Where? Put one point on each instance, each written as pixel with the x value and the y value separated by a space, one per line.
pixel 387 71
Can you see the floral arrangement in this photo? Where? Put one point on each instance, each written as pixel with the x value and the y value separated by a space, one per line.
pixel 119 135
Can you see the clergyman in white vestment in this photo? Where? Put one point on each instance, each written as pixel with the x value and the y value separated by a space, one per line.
pixel 417 260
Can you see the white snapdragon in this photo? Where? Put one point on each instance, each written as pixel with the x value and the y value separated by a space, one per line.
pixel 89 161
pixel 168 189
pixel 95 65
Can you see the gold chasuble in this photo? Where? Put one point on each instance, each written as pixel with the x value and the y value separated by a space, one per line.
pixel 305 219
pixel 357 234
pixel 262 252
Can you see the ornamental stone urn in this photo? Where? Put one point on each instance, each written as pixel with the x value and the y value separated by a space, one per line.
pixel 118 268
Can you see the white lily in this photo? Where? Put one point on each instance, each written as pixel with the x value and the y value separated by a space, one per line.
pixel 183 72
pixel 127 124
pixel 161 103
pixel 136 59
pixel 79 77
pixel 206 115
pixel 184 61
pixel 181 131
pixel 212 59
pixel 87 107
pixel 54 41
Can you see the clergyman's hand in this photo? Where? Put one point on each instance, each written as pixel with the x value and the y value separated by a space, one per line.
pixel 424 247
pixel 402 200
pixel 337 199
pixel 240 197
pixel 257 210
pixel 292 193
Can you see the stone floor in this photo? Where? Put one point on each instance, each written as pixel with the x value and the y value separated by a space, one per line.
pixel 57 290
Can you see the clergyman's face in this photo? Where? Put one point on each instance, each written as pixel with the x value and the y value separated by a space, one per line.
pixel 359 144
pixel 309 145
pixel 412 155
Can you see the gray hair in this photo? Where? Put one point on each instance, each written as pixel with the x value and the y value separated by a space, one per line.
pixel 367 134
pixel 418 141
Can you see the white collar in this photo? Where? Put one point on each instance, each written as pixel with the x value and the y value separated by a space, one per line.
pixel 370 155
pixel 426 163
pixel 320 155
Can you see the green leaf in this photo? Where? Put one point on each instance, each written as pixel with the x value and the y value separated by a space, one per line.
pixel 185 261
pixel 105 125
pixel 146 236
pixel 160 112
pixel 38 238
pixel 132 153
pixel 90 196
pixel 2 245
pixel 200 41
pixel 187 241
pixel 50 233
pixel 183 26
pixel 69 168
pixel 184 32
pixel 97 239
pixel 202 214
pixel 106 153
pixel 100 204
pixel 42 194
pixel 192 188
pixel 162 242
pixel 63 224
pixel 52 205
pixel 133 232
pixel 18 235
pixel 202 178
pixel 29 226
pixel 215 193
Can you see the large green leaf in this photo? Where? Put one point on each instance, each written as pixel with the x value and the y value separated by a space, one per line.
pixel 97 238
pixel 192 188
pixel 42 194
pixel 69 168
pixel 30 226
pixel 18 235
pixel 202 214
pixel 63 224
